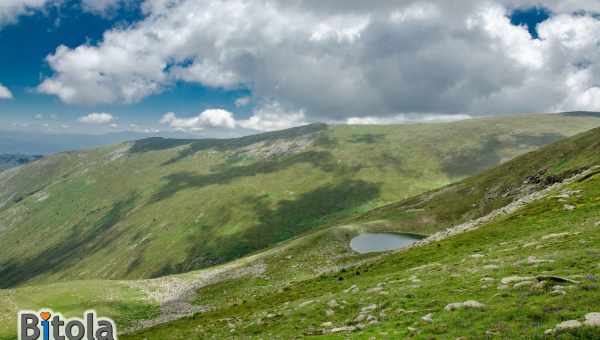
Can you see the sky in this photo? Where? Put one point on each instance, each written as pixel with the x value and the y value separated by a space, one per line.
pixel 226 68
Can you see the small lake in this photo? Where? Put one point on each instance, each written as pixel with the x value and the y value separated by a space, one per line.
pixel 378 242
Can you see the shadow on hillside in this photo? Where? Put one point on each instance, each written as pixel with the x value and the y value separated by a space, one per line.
pixel 184 180
pixel 367 138
pixel 288 219
pixel 474 161
pixel 80 243
pixel 196 145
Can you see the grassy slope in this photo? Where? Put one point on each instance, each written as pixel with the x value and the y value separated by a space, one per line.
pixel 111 212
pixel 292 275
pixel 542 238
pixel 478 195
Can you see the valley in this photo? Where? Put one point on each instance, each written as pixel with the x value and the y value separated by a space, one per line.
pixel 523 218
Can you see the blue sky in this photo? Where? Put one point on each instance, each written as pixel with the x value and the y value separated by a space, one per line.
pixel 22 66
pixel 338 62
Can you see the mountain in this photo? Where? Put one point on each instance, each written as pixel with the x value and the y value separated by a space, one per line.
pixel 520 239
pixel 111 212
pixel 528 269
pixel 39 143
pixel 8 161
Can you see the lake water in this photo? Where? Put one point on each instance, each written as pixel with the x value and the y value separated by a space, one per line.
pixel 378 242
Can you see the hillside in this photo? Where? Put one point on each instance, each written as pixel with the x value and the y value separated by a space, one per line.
pixel 538 256
pixel 110 213
pixel 528 270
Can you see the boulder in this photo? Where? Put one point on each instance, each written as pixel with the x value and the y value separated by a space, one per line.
pixel 343 329
pixel 523 284
pixel 467 304
pixel 428 318
pixel 514 279
pixel 567 325
pixel 553 278
pixel 557 235
pixel 592 319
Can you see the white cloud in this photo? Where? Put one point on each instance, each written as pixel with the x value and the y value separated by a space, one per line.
pixel 103 7
pixel 11 10
pixel 213 118
pixel 273 116
pixel 5 93
pixel 339 60
pixel 242 101
pixel 97 118
pixel 38 116
pixel 268 117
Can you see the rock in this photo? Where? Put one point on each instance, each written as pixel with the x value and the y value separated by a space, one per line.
pixel 491 266
pixel 374 290
pixel 530 244
pixel 569 207
pixel 329 312
pixel 553 278
pixel 535 260
pixel 523 284
pixel 368 308
pixel 550 236
pixel 592 319
pixel 411 329
pixel 558 292
pixel 549 332
pixel 476 256
pixel 513 279
pixel 305 303
pixel 567 325
pixel 428 318
pixel 327 324
pixel 343 329
pixel 467 304
pixel 372 320
pixel 360 318
pixel 332 303
pixel 414 279
pixel 352 289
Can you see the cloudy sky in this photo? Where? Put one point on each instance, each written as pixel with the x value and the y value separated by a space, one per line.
pixel 216 67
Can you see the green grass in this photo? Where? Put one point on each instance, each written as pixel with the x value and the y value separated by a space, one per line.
pixel 110 213
pixel 288 295
pixel 109 298
pixel 447 274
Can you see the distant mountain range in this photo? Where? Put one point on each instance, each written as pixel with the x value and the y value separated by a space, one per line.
pixel 30 143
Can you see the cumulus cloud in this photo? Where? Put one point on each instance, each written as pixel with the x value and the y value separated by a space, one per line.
pixel 335 60
pixel 11 10
pixel 103 7
pixel 268 117
pixel 273 116
pixel 5 93
pixel 213 118
pixel 97 118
